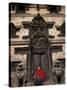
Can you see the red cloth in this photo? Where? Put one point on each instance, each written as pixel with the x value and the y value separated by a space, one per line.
pixel 40 73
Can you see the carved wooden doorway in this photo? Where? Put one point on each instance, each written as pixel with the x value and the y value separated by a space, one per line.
pixel 39 45
pixel 41 59
pixel 39 51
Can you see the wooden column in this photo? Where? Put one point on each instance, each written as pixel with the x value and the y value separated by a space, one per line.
pixel 50 65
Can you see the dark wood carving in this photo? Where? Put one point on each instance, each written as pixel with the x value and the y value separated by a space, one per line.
pixel 39 39
pixel 38 23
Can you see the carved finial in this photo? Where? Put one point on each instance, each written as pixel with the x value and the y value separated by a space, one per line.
pixel 38 8
pixel 38 14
